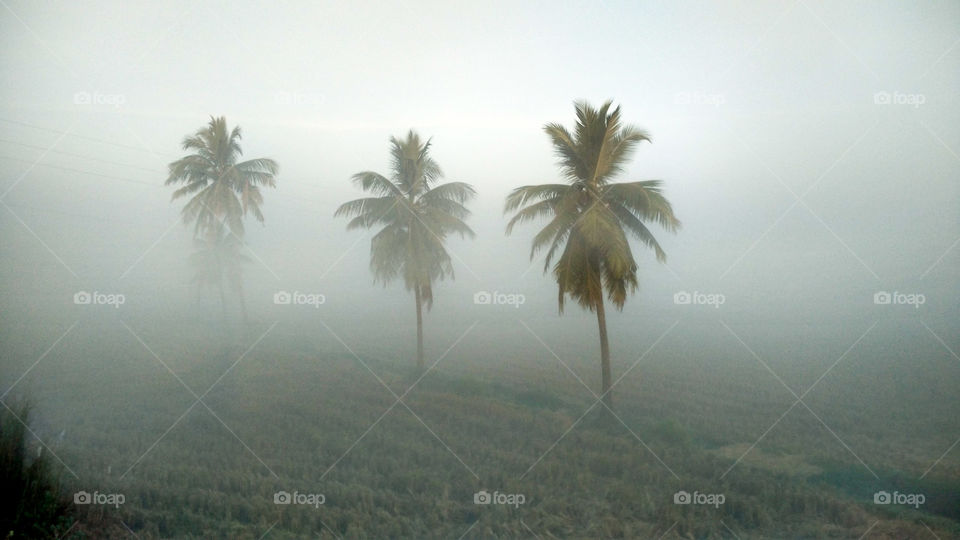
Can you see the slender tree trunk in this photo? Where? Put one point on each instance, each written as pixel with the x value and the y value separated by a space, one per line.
pixel 604 355
pixel 419 327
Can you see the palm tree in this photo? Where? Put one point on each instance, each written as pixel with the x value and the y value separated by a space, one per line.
pixel 223 189
pixel 590 216
pixel 218 258
pixel 417 214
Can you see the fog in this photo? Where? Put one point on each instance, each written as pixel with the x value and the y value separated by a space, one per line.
pixel 805 146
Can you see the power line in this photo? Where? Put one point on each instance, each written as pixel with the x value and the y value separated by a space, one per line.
pixel 77 155
pixel 86 137
pixel 81 171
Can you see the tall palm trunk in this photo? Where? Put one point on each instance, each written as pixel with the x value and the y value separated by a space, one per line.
pixel 604 354
pixel 419 300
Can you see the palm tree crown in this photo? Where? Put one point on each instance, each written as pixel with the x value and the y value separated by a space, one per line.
pixel 224 189
pixel 416 213
pixel 591 216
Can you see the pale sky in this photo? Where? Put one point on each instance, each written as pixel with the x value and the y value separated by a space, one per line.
pixel 851 107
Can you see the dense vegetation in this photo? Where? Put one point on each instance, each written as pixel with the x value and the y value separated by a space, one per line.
pixel 31 502
pixel 300 405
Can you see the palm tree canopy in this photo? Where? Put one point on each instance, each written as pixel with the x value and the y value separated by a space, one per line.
pixel 224 189
pixel 591 217
pixel 416 214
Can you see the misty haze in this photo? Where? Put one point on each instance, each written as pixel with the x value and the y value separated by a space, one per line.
pixel 416 269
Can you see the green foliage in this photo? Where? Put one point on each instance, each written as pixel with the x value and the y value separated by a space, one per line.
pixel 300 413
pixel 415 215
pixel 31 502
pixel 224 189
pixel 591 217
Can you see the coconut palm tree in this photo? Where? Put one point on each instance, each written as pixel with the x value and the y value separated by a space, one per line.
pixel 217 261
pixel 416 215
pixel 224 191
pixel 223 188
pixel 591 217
